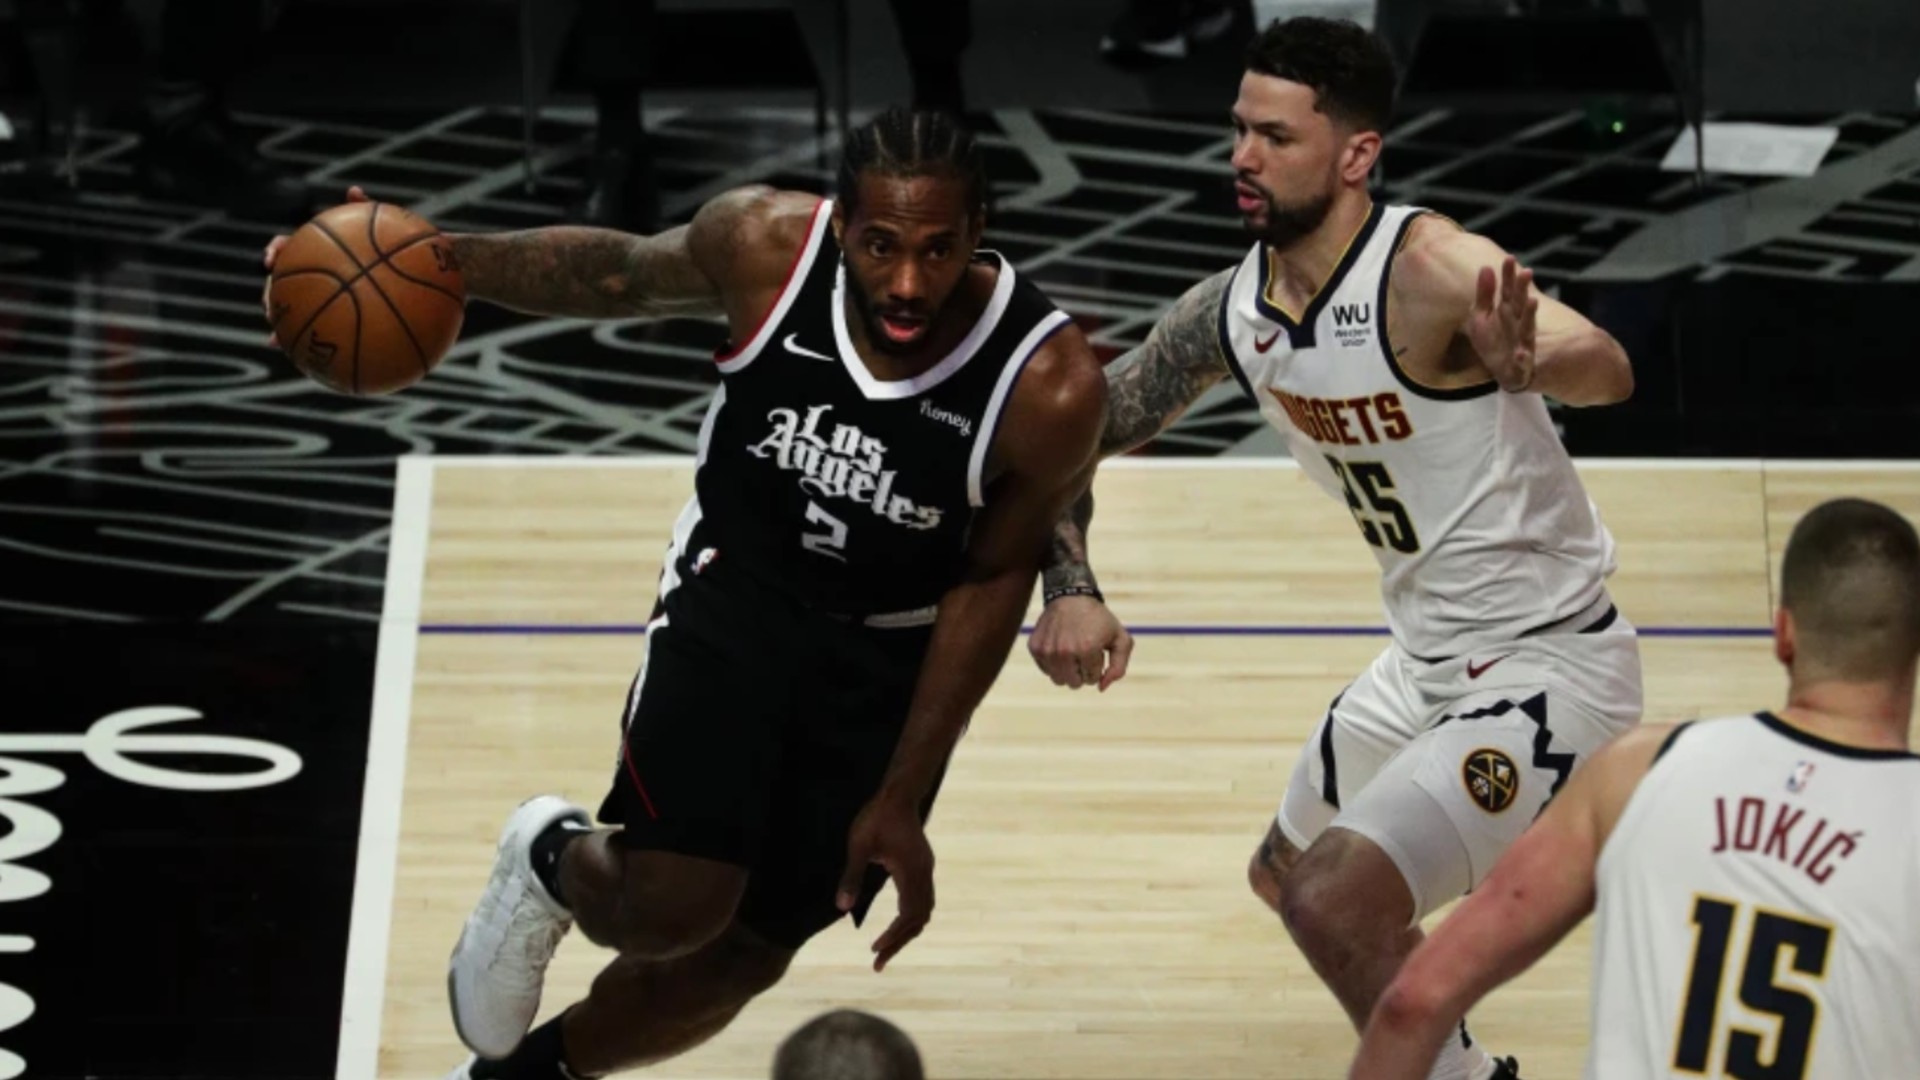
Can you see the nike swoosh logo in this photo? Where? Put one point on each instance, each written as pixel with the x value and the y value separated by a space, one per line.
pixel 1263 346
pixel 1476 672
pixel 795 347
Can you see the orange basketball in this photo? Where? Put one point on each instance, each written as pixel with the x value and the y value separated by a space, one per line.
pixel 366 298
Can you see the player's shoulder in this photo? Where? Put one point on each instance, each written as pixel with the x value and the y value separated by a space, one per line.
pixel 1440 257
pixel 1063 381
pixel 1613 774
pixel 751 232
pixel 1635 750
pixel 1060 400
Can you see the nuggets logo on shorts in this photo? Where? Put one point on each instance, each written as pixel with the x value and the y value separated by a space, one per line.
pixel 1491 779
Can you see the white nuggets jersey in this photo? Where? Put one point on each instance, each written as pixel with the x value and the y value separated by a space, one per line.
pixel 1470 503
pixel 1755 911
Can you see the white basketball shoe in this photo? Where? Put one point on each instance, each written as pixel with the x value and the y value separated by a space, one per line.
pixel 498 965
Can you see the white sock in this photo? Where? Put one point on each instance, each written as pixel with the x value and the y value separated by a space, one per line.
pixel 1461 1059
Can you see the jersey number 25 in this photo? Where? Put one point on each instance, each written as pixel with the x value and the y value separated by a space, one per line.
pixel 1382 518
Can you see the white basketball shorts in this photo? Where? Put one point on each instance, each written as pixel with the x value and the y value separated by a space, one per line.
pixel 1444 764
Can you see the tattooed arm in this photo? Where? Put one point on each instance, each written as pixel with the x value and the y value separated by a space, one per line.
pixel 1147 390
pixel 593 273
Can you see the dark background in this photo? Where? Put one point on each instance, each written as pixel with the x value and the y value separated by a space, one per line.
pixel 190 933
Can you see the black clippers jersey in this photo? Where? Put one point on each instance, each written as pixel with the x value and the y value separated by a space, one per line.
pixel 853 494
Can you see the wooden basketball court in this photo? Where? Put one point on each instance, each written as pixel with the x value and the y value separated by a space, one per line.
pixel 1094 921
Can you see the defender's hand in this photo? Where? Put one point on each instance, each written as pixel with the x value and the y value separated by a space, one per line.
pixel 1079 642
pixel 1501 327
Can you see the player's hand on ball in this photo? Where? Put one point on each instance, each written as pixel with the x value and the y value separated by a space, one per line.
pixel 1080 642
pixel 890 834
pixel 366 298
pixel 354 194
pixel 1501 327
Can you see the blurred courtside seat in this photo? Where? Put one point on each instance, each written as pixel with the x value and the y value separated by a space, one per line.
pixel 723 47
pixel 1643 55
pixel 39 95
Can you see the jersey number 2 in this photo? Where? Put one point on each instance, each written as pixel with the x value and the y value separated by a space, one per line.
pixel 833 542
pixel 1796 1012
pixel 1393 528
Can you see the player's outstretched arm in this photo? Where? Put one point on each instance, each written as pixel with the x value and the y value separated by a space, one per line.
pixel 725 262
pixel 1536 894
pixel 1151 386
pixel 1078 642
pixel 1529 341
pixel 592 273
pixel 1043 454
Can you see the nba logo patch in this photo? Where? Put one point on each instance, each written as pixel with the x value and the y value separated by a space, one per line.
pixel 704 559
pixel 1797 780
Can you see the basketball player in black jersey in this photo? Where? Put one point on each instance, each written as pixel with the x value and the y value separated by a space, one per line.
pixel 900 421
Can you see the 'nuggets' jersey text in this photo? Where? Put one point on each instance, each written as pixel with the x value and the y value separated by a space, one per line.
pixel 1482 530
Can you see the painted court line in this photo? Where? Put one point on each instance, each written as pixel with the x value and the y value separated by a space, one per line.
pixel 582 629
pixel 1596 464
pixel 373 874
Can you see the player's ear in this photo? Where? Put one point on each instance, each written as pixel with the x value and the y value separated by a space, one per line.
pixel 1783 643
pixel 1361 154
pixel 838 221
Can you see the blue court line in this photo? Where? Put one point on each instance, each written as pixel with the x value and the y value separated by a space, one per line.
pixel 587 629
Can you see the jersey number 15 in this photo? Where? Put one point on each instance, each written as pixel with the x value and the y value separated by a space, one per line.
pixel 1795 1013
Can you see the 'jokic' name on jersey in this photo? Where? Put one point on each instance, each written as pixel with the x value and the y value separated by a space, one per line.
pixel 843 465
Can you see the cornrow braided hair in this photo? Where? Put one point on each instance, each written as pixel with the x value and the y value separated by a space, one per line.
pixel 905 143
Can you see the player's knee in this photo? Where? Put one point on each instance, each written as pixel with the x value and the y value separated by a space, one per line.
pixel 751 966
pixel 1314 908
pixel 1265 878
pixel 664 930
pixel 1269 866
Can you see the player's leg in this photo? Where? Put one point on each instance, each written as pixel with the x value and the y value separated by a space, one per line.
pixel 649 905
pixel 646 905
pixel 1343 904
pixel 859 685
pixel 831 758
pixel 1364 726
pixel 690 793
pixel 1435 818
pixel 684 1002
pixel 1350 908
pixel 644 1011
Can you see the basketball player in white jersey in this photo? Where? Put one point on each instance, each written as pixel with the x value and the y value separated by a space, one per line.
pixel 1752 875
pixel 1406 361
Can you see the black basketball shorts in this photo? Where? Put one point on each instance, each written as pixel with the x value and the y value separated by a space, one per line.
pixel 754 733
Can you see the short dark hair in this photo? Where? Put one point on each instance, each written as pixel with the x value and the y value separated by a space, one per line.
pixel 908 143
pixel 1349 68
pixel 1851 579
pixel 847 1044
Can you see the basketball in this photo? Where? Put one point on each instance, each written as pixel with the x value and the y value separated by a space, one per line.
pixel 367 298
